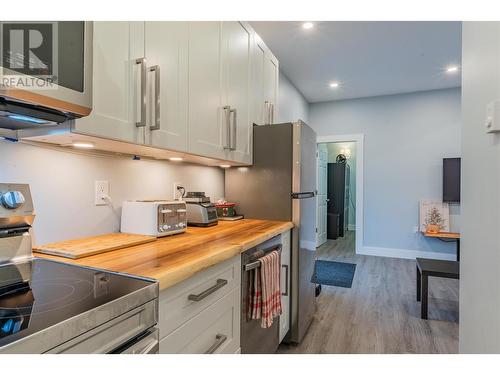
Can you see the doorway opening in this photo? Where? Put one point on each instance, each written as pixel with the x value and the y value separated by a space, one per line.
pixel 339 181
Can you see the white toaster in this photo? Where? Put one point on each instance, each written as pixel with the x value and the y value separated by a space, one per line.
pixel 154 218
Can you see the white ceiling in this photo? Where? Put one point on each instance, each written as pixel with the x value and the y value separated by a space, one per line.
pixel 367 58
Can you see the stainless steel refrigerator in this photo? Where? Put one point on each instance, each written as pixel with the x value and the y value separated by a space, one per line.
pixel 281 185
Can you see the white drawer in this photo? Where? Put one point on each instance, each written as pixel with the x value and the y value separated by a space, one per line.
pixel 216 329
pixel 176 307
pixel 112 334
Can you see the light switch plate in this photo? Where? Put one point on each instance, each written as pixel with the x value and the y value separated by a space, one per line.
pixel 101 193
pixel 492 122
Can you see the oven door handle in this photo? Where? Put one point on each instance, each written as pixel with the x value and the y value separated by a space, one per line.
pixel 148 344
pixel 256 264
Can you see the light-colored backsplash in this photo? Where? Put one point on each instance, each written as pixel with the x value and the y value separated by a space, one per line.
pixel 62 185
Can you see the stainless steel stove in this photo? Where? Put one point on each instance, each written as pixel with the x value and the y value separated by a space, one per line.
pixel 54 307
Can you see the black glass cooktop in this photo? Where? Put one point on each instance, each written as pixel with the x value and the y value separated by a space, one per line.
pixel 39 293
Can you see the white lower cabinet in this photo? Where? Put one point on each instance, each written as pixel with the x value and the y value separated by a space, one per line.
pixel 285 284
pixel 202 314
pixel 216 330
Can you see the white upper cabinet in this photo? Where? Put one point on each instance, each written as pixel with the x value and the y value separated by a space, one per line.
pixel 271 87
pixel 205 90
pixel 236 64
pixel 258 97
pixel 166 46
pixel 265 81
pixel 116 82
pixel 194 87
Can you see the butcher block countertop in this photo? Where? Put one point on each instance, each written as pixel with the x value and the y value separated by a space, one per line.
pixel 173 259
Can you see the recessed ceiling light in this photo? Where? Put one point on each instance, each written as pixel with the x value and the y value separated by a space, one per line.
pixel 83 144
pixel 224 166
pixel 308 25
pixel 334 85
pixel 175 158
pixel 452 69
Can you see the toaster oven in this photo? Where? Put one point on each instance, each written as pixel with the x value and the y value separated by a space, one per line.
pixel 154 218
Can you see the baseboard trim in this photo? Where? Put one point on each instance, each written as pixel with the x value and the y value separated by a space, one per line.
pixel 403 253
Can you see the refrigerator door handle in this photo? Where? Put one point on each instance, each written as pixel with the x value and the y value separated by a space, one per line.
pixel 309 194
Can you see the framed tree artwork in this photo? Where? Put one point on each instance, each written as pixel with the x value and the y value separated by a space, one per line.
pixel 434 216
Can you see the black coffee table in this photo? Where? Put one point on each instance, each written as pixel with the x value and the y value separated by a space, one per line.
pixel 449 269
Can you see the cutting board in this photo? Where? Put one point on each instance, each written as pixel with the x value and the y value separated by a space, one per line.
pixel 87 246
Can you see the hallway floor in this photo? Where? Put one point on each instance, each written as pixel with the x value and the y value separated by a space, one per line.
pixel 380 314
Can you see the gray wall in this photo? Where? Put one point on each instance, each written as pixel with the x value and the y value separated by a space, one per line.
pixel 62 185
pixel 480 255
pixel 406 137
pixel 291 104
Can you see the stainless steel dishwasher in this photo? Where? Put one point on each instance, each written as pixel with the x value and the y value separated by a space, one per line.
pixel 254 338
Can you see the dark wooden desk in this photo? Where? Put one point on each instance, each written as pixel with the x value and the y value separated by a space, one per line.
pixel 433 267
pixel 447 236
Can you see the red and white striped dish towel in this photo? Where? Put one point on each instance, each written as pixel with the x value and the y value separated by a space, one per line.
pixel 265 293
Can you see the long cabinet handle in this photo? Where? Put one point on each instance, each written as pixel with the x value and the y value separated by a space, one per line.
pixel 142 62
pixel 232 141
pixel 198 297
pixel 156 123
pixel 227 114
pixel 271 115
pixel 285 266
pixel 219 340
pixel 267 113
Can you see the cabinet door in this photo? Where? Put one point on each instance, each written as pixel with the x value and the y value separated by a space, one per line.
pixel 236 41
pixel 205 90
pixel 265 81
pixel 116 82
pixel 285 285
pixel 166 45
pixel 271 86
pixel 259 116
pixel 216 330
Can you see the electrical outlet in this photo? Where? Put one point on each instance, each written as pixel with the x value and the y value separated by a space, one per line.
pixel 101 193
pixel 177 194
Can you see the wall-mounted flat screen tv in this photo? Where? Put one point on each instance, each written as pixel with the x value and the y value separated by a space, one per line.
pixel 451 180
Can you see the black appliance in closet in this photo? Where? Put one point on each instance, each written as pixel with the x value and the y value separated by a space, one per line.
pixel 338 200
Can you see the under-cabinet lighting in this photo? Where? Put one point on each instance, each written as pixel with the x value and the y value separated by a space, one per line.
pixel 452 69
pixel 83 145
pixel 225 166
pixel 32 120
pixel 334 85
pixel 308 25
pixel 175 158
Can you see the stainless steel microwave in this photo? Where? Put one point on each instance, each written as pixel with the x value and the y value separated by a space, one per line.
pixel 45 72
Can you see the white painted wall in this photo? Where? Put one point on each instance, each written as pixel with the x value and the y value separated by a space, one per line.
pixel 291 104
pixel 62 185
pixel 333 150
pixel 406 137
pixel 480 255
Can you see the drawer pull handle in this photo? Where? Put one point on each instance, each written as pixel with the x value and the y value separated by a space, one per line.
pixel 219 340
pixel 285 266
pixel 198 297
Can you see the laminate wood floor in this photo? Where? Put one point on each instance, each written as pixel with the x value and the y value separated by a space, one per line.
pixel 380 313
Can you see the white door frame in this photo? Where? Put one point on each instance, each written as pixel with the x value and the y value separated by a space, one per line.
pixel 318 189
pixel 359 139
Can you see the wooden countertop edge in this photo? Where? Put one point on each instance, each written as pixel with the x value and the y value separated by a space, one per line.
pixel 179 272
